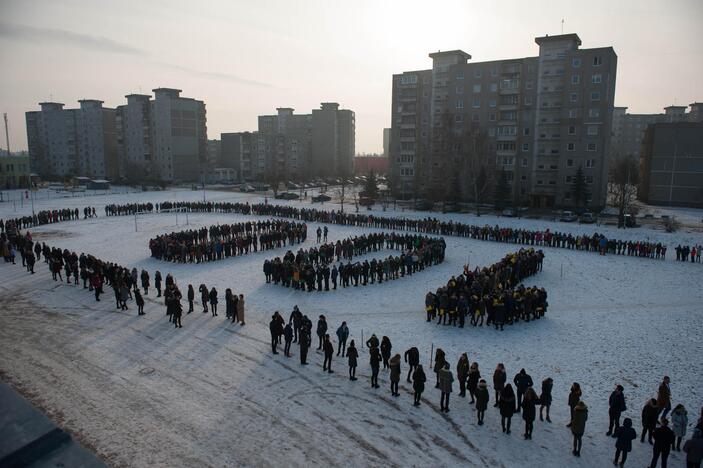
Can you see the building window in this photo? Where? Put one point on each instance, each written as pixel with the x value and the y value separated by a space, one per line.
pixel 570 146
pixel 476 103
pixel 576 63
pixel 540 182
pixel 573 97
pixel 492 132
pixel 528 100
pixel 572 113
pixel 590 163
pixel 528 85
pixel 575 79
pixel 459 103
pixel 477 73
pixel 460 75
pixel 477 88
pixel 569 163
pixel 592 130
pixel 492 103
pixel 494 87
pixel 458 118
pixel 595 96
pixel 492 117
pixel 572 130
pixel 596 79
pixel 408 79
pixel 589 179
pixel 460 89
pixel 594 113
pixel 523 177
pixel 591 147
pixel 526 147
pixel 494 72
pixel 597 61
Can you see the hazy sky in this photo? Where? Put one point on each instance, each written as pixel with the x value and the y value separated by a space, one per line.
pixel 245 58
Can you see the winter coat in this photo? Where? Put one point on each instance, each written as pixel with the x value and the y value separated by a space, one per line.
pixel 352 355
pixel 522 381
pixel 664 396
pixel 395 368
pixel 462 369
pixel 650 415
pixel 328 348
pixel 616 402
pixel 663 437
pixel 288 333
pixel 499 379
pixel 342 333
pixel 578 423
pixel 386 348
pixel 419 380
pixel 240 310
pixel 374 357
pixel 574 397
pixel 445 380
pixel 321 327
pixel 412 356
pixel 694 448
pixel 213 296
pixel 679 421
pixel 624 435
pixel 528 409
pixel 546 397
pixel 482 397
pixel 439 361
pixel 507 406
pixel 473 378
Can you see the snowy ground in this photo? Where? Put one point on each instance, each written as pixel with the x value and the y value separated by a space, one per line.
pixel 211 394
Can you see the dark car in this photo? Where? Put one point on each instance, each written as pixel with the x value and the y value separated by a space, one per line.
pixel 287 196
pixel 567 216
pixel 587 218
pixel 321 198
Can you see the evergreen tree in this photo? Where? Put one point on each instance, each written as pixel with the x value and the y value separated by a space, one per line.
pixel 579 190
pixel 371 186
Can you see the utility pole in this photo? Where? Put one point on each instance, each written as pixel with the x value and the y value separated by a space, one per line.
pixel 7 134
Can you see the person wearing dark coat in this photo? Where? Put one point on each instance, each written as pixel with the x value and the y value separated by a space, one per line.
pixel 273 328
pixel 624 435
pixel 204 296
pixel 439 362
pixel 419 380
pixel 213 301
pixel 394 365
pixel 372 342
pixel 507 407
pixel 412 358
pixel 145 282
pixel 693 448
pixel 342 335
pixel 321 330
pixel 375 361
pixel 462 373
pixel 328 349
pixel 352 356
pixel 191 298
pixel 574 398
pixel 663 440
pixel 296 318
pixel 522 380
pixel 481 400
pixel 288 338
pixel 386 348
pixel 650 415
pixel 139 300
pixel 472 380
pixel 157 283
pixel 578 426
pixel 304 341
pixel 545 398
pixel 529 411
pixel 616 405
pixel 499 379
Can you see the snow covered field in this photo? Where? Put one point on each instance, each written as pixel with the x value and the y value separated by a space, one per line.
pixel 142 393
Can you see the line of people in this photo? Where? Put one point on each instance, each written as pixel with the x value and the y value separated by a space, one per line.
pixel 45 217
pixel 510 399
pixel 683 254
pixel 222 241
pixel 494 292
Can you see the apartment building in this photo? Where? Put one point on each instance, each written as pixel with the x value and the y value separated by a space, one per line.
pixel 164 138
pixel 293 146
pixel 69 142
pixel 538 119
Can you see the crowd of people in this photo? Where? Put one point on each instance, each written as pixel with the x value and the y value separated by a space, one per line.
pixel 46 217
pixel 663 428
pixel 226 240
pixel 312 269
pixel 128 209
pixel 689 253
pixel 494 292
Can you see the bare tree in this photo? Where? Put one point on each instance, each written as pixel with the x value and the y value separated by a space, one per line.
pixel 622 186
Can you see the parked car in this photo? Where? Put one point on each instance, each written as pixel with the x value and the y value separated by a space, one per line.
pixel 587 218
pixel 509 212
pixel 287 196
pixel 321 198
pixel 247 188
pixel 261 187
pixel 567 216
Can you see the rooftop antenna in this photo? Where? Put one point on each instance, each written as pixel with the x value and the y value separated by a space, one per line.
pixel 7 134
pixel 562 25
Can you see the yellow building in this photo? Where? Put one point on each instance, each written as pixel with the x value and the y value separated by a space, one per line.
pixel 14 172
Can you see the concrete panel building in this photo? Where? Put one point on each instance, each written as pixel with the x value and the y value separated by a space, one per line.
pixel 671 165
pixel 538 119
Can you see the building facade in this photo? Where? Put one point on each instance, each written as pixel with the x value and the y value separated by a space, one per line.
pixel 461 125
pixel 289 146
pixel 67 142
pixel 14 172
pixel 671 164
pixel 164 138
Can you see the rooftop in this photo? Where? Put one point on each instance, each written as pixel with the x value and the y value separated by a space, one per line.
pixel 451 52
pixel 559 37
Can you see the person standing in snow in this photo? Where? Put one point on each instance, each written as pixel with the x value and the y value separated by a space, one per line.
pixel 352 356
pixel 375 362
pixel 204 296
pixel 578 426
pixel 328 349
pixel 296 318
pixel 139 301
pixel 386 348
pixel 342 335
pixel 145 282
pixel 694 449
pixel 157 283
pixel 481 400
pixel 412 358
pixel 624 435
pixel 663 440
pixel 240 311
pixel 650 413
pixel 191 298
pixel 679 421
pixel 213 301
pixel 321 330
pixel 439 362
pixel 472 380
pixel 462 373
pixel 419 379
pixel 529 407
pixel 616 405
pixel 507 407
pixel 394 365
pixel 273 324
pixel 664 396
pixel 304 342
pixel 499 379
pixel 288 337
pixel 445 386
pixel 574 398
pixel 522 381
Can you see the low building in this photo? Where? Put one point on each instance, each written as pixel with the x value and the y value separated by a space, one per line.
pixel 671 165
pixel 365 164
pixel 14 172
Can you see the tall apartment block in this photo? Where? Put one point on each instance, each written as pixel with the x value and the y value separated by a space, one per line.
pixel 294 146
pixel 69 142
pixel 539 118
pixel 164 138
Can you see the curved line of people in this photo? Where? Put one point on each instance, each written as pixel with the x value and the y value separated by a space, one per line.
pixel 664 434
pixel 222 241
pixel 309 267
pixel 494 292
pixel 12 225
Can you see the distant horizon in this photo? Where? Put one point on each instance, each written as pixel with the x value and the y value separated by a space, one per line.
pixel 244 60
